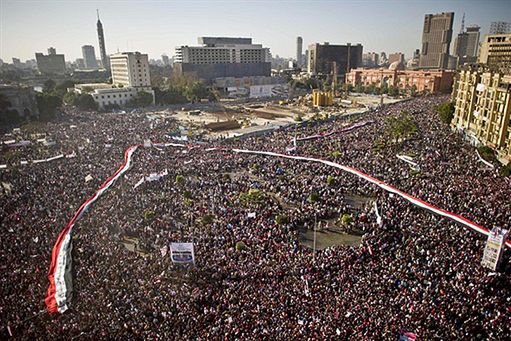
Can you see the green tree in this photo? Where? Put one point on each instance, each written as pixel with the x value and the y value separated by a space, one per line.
pixel 8 116
pixel 313 197
pixel 393 91
pixel 141 99
pixel 47 105
pixel 61 89
pixel 49 85
pixel 85 102
pixel 400 126
pixel 281 219
pixel 69 98
pixel 180 179
pixel 346 219
pixel 446 112
pixel 330 180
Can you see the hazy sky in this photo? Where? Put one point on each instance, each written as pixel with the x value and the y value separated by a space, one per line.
pixel 157 27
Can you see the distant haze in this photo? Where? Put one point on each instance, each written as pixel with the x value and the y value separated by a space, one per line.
pixel 157 27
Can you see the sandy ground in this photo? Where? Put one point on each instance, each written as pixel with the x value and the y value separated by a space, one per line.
pixel 261 115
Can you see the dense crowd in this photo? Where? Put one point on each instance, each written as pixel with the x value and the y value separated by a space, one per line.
pixel 415 272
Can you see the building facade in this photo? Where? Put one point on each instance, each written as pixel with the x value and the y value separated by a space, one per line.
pixel 323 56
pixel 483 108
pixel 396 57
pixel 220 57
pixel 299 45
pixel 436 39
pixel 496 50
pixel 500 27
pixel 52 63
pixel 89 57
pixel 466 45
pixel 370 59
pixel 105 95
pixel 432 81
pixel 130 69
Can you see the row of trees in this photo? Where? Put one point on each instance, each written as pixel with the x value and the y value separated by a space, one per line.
pixel 178 89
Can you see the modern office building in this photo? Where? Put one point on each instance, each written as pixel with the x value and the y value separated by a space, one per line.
pixel 299 45
pixel 396 57
pixel 130 69
pixel 466 45
pixel 52 63
pixel 89 57
pixel 102 49
pixel 496 50
pixel 220 57
pixel 436 39
pixel 482 99
pixel 370 59
pixel 165 60
pixel 322 57
pixel 500 27
pixel 431 81
pixel 130 75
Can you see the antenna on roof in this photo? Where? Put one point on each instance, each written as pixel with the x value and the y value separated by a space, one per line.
pixel 463 23
pixel 97 11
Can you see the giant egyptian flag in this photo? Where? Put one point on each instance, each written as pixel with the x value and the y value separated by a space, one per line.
pixel 59 274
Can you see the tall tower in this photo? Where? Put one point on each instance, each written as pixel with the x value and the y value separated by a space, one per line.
pixel 436 39
pixel 299 43
pixel 102 49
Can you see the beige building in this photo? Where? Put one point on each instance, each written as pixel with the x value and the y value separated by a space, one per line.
pixel 130 69
pixel 483 108
pixel 436 39
pixel 496 50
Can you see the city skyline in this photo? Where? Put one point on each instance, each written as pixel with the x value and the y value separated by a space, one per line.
pixel 154 28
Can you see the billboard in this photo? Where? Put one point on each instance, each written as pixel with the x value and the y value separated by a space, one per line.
pixel 182 253
pixel 494 248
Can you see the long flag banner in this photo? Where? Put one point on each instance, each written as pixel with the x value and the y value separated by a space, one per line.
pixel 60 288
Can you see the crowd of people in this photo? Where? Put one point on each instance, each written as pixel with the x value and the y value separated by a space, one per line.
pixel 413 272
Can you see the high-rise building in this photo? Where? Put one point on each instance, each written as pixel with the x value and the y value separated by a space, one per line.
pixel 221 57
pixel 482 99
pixel 89 57
pixel 102 48
pixel 370 59
pixel 16 62
pixel 80 63
pixel 299 44
pixel 53 63
pixel 500 27
pixel 436 39
pixel 165 59
pixel 323 56
pixel 130 69
pixel 496 50
pixel 396 57
pixel 466 45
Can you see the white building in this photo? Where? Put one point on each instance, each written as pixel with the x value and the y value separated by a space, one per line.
pixel 219 50
pixel 131 69
pixel 106 95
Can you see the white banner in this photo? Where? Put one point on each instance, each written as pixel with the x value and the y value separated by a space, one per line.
pixel 182 253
